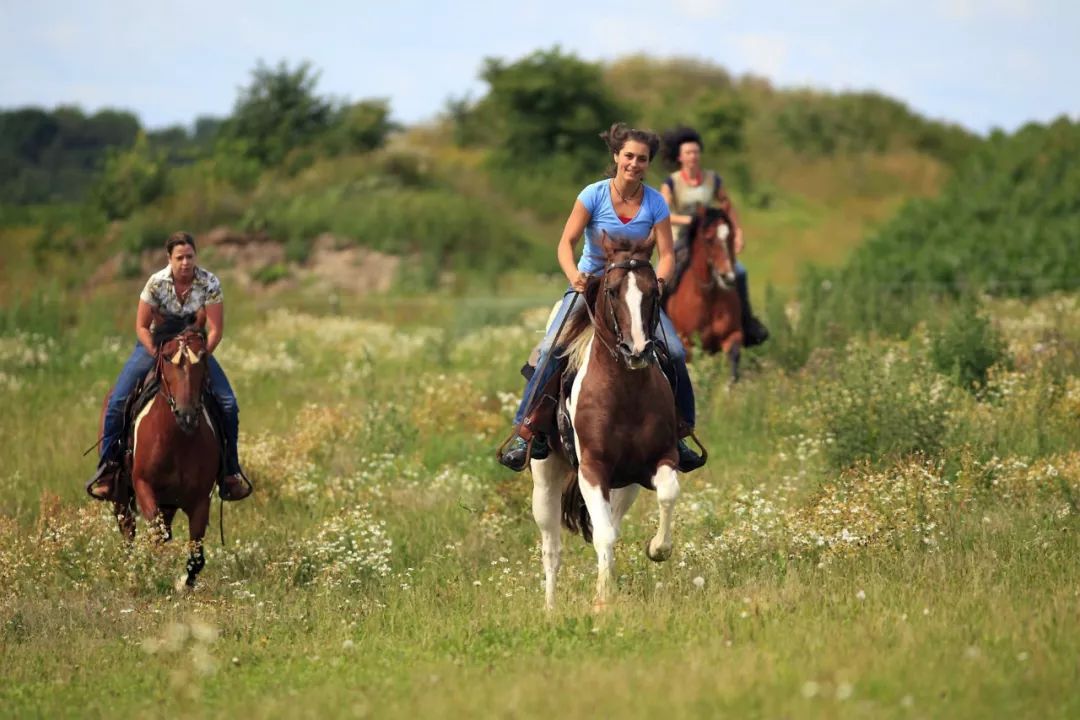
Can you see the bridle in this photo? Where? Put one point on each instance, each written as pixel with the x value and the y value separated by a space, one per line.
pixel 716 279
pixel 182 351
pixel 621 350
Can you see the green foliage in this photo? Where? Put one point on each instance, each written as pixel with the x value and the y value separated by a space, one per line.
pixel 278 111
pixel 270 274
pixel 360 127
pixel 1006 224
pixel 548 103
pixel 967 347
pixel 48 156
pixel 882 404
pixel 131 178
pixel 822 124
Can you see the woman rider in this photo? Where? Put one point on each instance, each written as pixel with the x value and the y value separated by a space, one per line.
pixel 684 191
pixel 180 289
pixel 623 206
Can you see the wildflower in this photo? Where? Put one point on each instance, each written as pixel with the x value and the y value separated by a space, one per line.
pixel 861 595
pixel 699 582
pixel 810 689
pixel 844 691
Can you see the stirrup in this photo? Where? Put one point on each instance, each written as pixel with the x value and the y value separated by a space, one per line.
pixel 224 495
pixel 104 470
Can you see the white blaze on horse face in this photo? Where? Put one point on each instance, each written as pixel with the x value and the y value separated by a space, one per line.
pixel 634 298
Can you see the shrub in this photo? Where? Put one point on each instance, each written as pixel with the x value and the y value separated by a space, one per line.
pixel 967 347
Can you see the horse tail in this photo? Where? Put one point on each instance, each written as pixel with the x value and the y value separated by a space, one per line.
pixel 575 513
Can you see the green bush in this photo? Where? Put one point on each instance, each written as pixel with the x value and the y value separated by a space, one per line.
pixel 967 347
pixel 885 401
pixel 131 179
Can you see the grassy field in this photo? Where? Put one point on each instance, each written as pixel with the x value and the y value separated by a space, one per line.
pixel 868 539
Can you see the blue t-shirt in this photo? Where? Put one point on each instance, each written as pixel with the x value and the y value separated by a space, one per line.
pixel 597 200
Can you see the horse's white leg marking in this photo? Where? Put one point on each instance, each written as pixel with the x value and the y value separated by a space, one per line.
pixel 637 323
pixel 621 500
pixel 548 479
pixel 666 481
pixel 603 536
pixel 138 421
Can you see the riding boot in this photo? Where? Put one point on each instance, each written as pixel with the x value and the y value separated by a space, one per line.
pixel 235 486
pixel 103 483
pixel 516 456
pixel 688 459
pixel 754 331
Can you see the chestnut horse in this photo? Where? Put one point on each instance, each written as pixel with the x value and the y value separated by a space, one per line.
pixel 175 455
pixel 706 302
pixel 623 417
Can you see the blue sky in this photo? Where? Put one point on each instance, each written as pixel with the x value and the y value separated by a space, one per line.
pixel 994 63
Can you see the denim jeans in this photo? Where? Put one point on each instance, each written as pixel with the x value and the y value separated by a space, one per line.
pixel 684 391
pixel 140 363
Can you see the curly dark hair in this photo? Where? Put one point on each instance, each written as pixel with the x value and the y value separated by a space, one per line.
pixel 620 133
pixel 673 140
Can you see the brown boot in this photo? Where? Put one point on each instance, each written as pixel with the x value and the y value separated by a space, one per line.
pixel 100 487
pixel 235 487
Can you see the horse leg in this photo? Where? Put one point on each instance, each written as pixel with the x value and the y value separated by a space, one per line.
pixel 167 515
pixel 666 482
pixel 125 520
pixel 733 354
pixel 198 519
pixel 621 500
pixel 148 508
pixel 548 479
pixel 603 533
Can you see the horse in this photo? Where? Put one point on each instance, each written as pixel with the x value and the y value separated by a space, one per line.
pixel 175 456
pixel 623 417
pixel 706 301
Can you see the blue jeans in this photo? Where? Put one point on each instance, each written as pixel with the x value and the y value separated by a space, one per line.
pixel 684 391
pixel 140 363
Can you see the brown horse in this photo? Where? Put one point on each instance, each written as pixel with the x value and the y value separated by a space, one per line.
pixel 706 302
pixel 175 455
pixel 623 417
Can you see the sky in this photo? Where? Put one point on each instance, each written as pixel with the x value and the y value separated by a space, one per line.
pixel 982 64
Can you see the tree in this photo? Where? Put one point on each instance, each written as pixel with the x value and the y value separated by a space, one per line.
pixel 131 178
pixel 547 102
pixel 278 111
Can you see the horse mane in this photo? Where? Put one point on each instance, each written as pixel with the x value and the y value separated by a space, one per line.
pixel 174 325
pixel 579 331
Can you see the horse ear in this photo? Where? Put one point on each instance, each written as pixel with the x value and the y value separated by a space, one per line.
pixel 606 243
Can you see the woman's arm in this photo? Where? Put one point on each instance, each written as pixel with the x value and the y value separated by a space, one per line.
pixel 665 248
pixel 676 219
pixel 144 317
pixel 215 320
pixel 575 226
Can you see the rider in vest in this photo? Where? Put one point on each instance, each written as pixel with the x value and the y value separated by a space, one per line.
pixel 685 190
pixel 180 289
pixel 621 205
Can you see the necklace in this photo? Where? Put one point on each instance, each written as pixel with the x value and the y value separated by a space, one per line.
pixel 640 185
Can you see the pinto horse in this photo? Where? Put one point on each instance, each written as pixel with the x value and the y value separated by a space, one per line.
pixel 623 417
pixel 175 454
pixel 706 302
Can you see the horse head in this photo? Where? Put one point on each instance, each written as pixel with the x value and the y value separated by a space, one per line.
pixel 627 301
pixel 184 374
pixel 716 233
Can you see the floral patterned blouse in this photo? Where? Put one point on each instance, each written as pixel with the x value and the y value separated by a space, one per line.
pixel 160 292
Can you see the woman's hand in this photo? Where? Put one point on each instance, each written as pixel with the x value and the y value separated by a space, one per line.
pixel 578 282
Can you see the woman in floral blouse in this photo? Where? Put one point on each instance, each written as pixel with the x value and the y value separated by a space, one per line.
pixel 180 289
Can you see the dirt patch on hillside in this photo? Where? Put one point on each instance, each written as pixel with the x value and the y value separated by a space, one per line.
pixel 259 263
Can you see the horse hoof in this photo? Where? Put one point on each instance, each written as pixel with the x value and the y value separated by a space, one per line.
pixel 657 556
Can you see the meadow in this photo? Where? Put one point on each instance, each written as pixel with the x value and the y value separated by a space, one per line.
pixel 874 535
